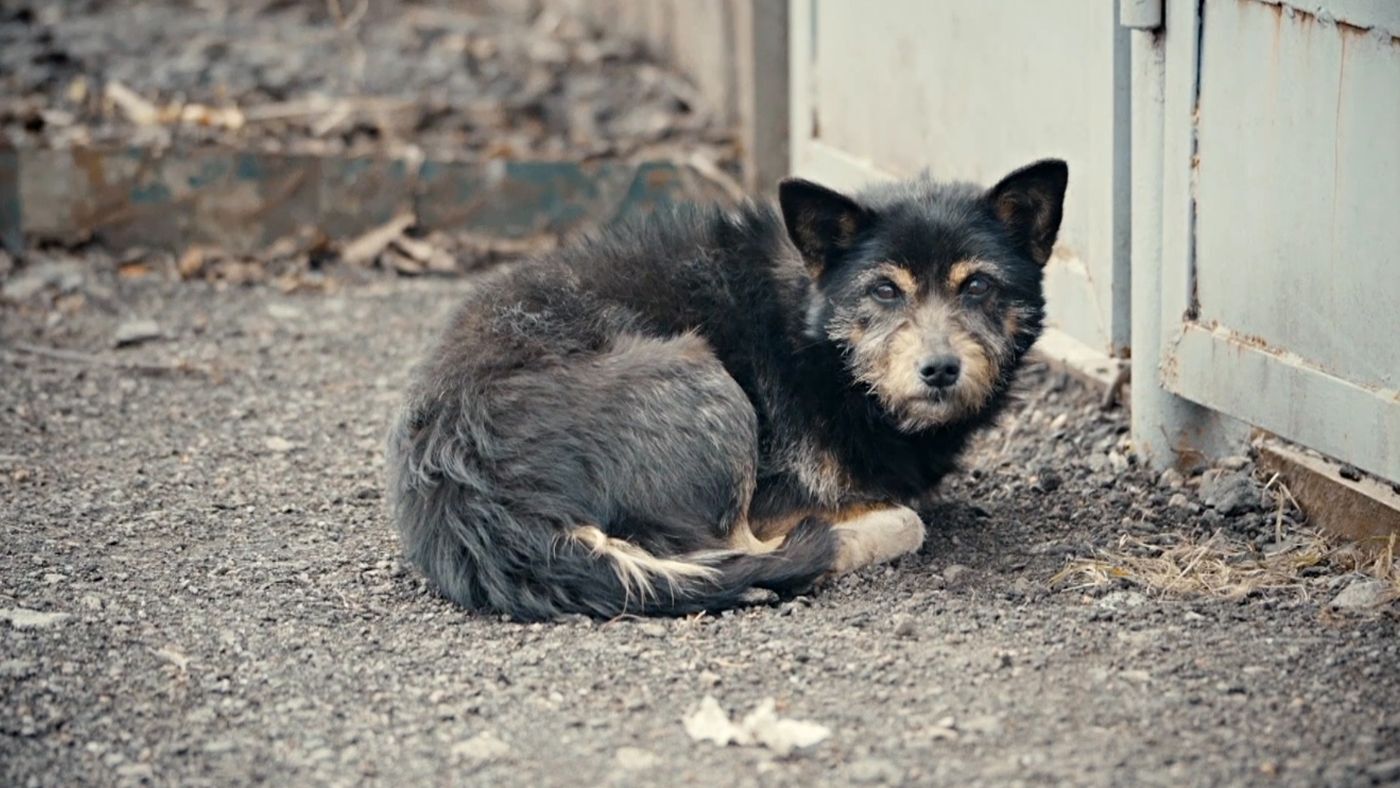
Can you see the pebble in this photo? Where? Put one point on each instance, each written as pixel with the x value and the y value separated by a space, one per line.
pixel 1229 494
pixel 17 668
pixel 654 629
pixel 136 771
pixel 483 747
pixel 1122 600
pixel 284 311
pixel 21 618
pixel 278 445
pixel 956 575
pixel 1361 594
pixel 874 771
pixel 1385 771
pixel 65 276
pixel 1171 478
pixel 1117 461
pixel 635 758
pixel 905 628
pixel 984 725
pixel 134 332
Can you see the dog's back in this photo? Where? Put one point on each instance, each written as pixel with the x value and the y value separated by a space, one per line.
pixel 573 445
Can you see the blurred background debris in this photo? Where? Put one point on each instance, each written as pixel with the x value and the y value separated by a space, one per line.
pixel 444 79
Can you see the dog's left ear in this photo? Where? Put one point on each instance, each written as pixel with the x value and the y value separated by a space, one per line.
pixel 1030 202
pixel 823 224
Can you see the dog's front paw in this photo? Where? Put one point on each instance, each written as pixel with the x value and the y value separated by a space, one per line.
pixel 876 538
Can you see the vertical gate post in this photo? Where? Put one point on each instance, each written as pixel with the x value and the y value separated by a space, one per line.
pixel 761 52
pixel 1167 431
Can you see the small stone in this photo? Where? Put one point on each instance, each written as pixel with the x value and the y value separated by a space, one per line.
pixel 635 759
pixel 66 276
pixel 1385 772
pixel 905 628
pixel 1117 461
pixel 653 629
pixel 134 332
pixel 481 748
pixel 1229 494
pixel 20 618
pixel 984 725
pixel 875 771
pixel 284 311
pixel 1234 463
pixel 1171 478
pixel 1050 481
pixel 708 678
pixel 1122 600
pixel 136 771
pixel 17 668
pixel 1361 594
pixel 955 575
pixel 1179 501
pixel 278 445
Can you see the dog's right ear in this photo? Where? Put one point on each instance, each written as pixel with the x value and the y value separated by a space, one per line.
pixel 822 223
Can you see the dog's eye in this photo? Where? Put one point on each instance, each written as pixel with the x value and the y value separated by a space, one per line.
pixel 977 287
pixel 885 291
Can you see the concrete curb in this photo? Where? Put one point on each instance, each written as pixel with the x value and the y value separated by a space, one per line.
pixel 243 200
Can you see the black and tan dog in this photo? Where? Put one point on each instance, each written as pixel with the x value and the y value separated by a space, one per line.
pixel 661 417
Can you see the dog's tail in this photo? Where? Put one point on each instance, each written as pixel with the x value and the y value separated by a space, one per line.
pixel 532 563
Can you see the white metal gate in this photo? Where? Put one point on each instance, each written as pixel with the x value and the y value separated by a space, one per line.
pixel 1252 145
pixel 1280 257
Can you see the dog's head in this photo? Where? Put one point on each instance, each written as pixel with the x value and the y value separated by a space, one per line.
pixel 931 292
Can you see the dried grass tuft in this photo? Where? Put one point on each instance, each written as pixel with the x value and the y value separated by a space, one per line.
pixel 1229 568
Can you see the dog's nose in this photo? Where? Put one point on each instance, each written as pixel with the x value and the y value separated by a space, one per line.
pixel 940 372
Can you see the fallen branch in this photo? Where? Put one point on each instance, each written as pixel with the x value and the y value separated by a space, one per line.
pixel 78 357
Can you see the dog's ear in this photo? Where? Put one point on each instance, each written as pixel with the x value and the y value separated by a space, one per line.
pixel 1030 202
pixel 822 223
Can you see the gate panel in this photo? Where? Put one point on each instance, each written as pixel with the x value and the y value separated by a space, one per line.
pixel 1283 133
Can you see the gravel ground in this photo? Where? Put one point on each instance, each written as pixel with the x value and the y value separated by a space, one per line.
pixel 198 521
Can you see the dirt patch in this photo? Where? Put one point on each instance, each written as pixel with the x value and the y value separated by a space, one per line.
pixel 200 585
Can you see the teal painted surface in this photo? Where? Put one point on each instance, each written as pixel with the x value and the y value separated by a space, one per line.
pixel 11 233
pixel 245 200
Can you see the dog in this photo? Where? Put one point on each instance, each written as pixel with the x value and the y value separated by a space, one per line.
pixel 672 412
